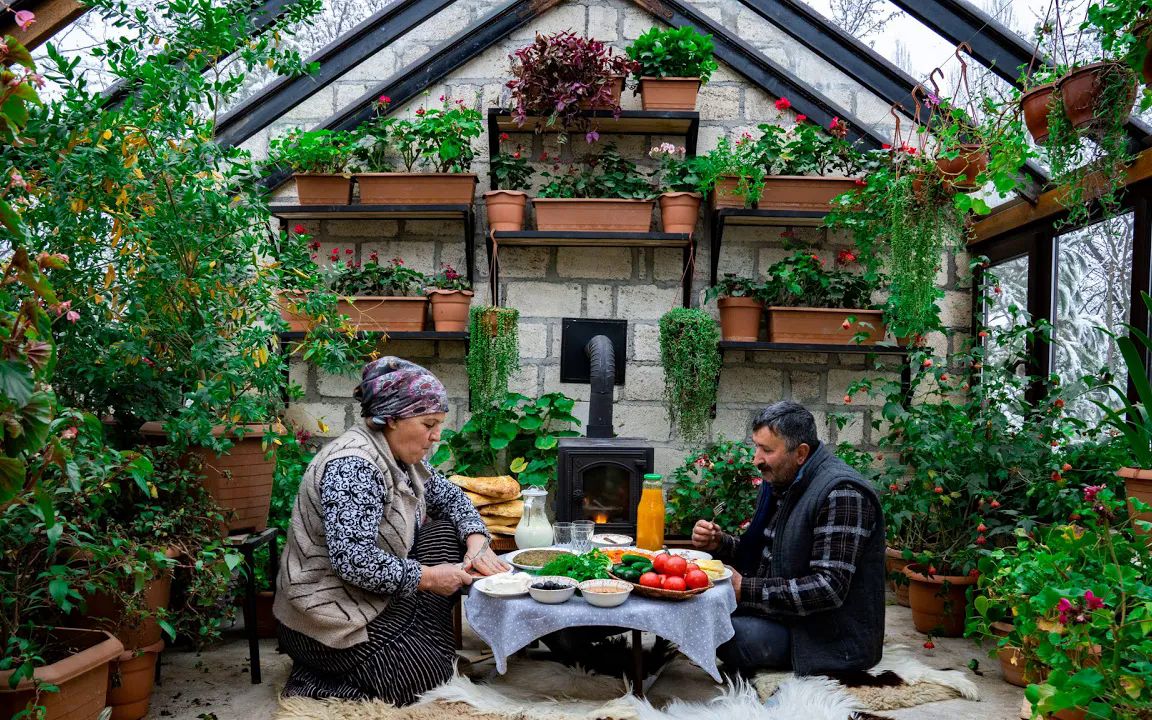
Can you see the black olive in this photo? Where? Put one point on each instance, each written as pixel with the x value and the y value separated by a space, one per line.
pixel 549 585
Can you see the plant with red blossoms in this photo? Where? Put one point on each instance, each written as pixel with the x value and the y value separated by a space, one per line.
pixel 719 472
pixel 449 279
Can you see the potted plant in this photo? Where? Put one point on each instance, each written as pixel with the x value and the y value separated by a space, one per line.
pixel 681 183
pixel 806 166
pixel 319 161
pixel 719 472
pixel 605 191
pixel 1039 99
pixel 493 353
pixel 439 138
pixel 734 171
pixel 558 76
pixel 690 354
pixel 451 296
pixel 378 296
pixel 671 64
pixel 513 177
pixel 741 304
pixel 1124 29
pixel 808 303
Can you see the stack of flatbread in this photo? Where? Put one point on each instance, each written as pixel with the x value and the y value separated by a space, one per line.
pixel 497 499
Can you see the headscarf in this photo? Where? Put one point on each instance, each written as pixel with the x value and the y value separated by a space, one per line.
pixel 392 388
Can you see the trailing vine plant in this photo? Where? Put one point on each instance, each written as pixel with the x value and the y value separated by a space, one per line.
pixel 493 353
pixel 690 353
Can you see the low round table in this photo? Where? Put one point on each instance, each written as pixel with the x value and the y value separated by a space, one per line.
pixel 697 625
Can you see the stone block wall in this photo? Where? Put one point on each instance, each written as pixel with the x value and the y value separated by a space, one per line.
pixel 638 285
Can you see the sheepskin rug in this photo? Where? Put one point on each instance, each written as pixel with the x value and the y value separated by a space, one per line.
pixel 542 690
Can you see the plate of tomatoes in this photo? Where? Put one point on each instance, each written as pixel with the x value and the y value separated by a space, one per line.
pixel 663 576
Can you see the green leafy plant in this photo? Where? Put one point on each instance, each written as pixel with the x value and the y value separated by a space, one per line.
pixel 606 174
pixel 1122 29
pixel 732 285
pixel 690 354
pixel 1132 421
pixel 718 472
pixel 373 278
pixel 493 353
pixel 313 151
pixel 440 137
pixel 677 172
pixel 802 280
pixel 591 565
pixel 517 437
pixel 805 148
pixel 511 169
pixel 449 279
pixel 673 52
pixel 742 159
pixel 370 149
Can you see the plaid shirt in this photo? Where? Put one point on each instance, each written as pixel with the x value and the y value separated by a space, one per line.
pixel 842 526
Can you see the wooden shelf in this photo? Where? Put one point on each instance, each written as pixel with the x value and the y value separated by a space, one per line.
pixel 356 211
pixel 630 122
pixel 757 217
pixel 408 335
pixel 813 347
pixel 574 238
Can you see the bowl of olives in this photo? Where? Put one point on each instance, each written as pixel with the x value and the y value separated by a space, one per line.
pixel 552 589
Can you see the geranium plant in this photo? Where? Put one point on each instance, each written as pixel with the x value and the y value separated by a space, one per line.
pixel 326 152
pixel 449 279
pixel 805 148
pixel 720 472
pixel 606 174
pixel 732 285
pixel 742 159
pixel 673 52
pixel 678 173
pixel 802 280
pixel 439 137
pixel 370 149
pixel 373 278
pixel 510 168
pixel 556 74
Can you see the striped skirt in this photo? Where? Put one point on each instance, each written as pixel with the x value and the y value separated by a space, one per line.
pixel 410 647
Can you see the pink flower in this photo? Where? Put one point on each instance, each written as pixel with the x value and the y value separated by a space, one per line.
pixel 420 111
pixel 61 308
pixel 18 180
pixel 72 316
pixel 834 124
pixel 25 18
pixel 1091 492
pixel 36 79
pixel 591 136
pixel 374 256
pixel 69 433
pixel 701 461
pixel 441 98
pixel 503 136
pixel 756 481
pixel 801 118
pixel 845 257
pixel 397 261
pixel 384 100
pixel 783 104
pixel 744 525
pixel 347 251
pixel 1064 607
pixel 1091 601
pixel 516 155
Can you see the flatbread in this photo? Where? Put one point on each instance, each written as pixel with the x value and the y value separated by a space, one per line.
pixel 508 509
pixel 502 487
pixel 502 530
pixel 481 500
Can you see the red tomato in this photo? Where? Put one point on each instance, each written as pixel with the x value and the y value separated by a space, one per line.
pixel 674 582
pixel 660 561
pixel 690 567
pixel 675 566
pixel 696 579
pixel 650 579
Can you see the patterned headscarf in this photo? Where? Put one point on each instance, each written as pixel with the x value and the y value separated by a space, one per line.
pixel 392 388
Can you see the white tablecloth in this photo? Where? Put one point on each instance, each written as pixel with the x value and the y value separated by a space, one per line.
pixel 698 625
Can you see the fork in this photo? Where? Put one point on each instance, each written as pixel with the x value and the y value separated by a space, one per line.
pixel 719 508
pixel 487 542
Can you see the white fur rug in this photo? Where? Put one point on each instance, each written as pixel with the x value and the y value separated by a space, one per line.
pixel 540 690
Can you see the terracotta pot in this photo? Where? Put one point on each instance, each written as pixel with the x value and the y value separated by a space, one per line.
pixel 593 214
pixel 616 85
pixel 1011 658
pixel 106 612
pixel 376 313
pixel 450 309
pixel 811 193
pixel 315 189
pixel 961 172
pixel 1034 105
pixel 416 188
pixel 1080 91
pixel 740 318
pixel 939 602
pixel 1143 31
pixel 82 678
pixel 240 480
pixel 669 93
pixel 297 322
pixel 1070 714
pixel 1138 484
pixel 724 193
pixel 506 209
pixel 895 563
pixel 679 211
pixel 130 682
pixel 824 326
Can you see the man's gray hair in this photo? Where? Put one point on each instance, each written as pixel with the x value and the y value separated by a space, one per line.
pixel 790 421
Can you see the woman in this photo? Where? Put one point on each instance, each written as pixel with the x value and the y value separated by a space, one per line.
pixel 378 547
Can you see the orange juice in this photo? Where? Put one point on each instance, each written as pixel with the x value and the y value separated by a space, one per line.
pixel 650 514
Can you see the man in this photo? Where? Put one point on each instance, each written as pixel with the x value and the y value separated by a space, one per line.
pixel 809 570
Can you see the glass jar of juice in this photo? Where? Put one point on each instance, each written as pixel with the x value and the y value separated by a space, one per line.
pixel 650 514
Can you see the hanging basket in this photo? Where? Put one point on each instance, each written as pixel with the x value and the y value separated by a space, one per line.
pixel 1082 92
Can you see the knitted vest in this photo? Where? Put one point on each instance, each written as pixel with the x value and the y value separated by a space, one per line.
pixel 310 597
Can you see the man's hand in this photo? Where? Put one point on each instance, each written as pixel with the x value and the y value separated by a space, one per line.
pixel 480 559
pixel 706 535
pixel 736 581
pixel 443 579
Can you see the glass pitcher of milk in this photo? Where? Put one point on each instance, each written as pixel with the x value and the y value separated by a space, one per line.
pixel 534 530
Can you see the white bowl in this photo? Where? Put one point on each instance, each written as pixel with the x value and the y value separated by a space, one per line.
pixel 611 540
pixel 553 597
pixel 605 599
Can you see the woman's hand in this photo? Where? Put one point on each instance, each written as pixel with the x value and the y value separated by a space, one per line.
pixel 443 579
pixel 479 557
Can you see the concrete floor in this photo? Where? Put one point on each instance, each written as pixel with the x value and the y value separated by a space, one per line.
pixel 215 684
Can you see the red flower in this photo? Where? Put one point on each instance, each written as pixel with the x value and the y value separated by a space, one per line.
pixel 516 155
pixel 928 645
pixel 938 490
pixel 927 362
pixel 347 251
pixel 981 540
pixel 503 136
pixel 384 100
pixel 893 487
pixel 299 229
pixel 845 256
pixel 982 333
pixel 1091 601
pixel 1059 403
pixel 801 118
pixel 1056 476
pixel 783 104
pixel 995 504
pixel 1066 467
pixel 373 256
pixel 314 245
pixel 981 528
pixel 847 399
pixel 885 146
pixel 1091 492
pixel 834 124
pixel 420 111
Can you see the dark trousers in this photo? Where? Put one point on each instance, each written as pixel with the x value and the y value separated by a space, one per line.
pixel 759 644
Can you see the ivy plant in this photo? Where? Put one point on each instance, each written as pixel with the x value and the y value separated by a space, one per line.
pixel 690 353
pixel 493 353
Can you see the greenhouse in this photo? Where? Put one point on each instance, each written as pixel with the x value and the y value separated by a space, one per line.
pixel 574 360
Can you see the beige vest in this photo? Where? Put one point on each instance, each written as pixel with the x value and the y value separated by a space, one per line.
pixel 310 597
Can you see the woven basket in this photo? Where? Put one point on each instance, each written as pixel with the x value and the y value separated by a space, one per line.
pixel 662 594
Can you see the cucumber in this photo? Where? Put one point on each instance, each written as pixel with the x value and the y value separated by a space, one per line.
pixel 642 568
pixel 631 574
pixel 634 559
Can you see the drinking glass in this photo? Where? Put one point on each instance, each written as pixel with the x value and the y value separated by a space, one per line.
pixel 562 532
pixel 582 535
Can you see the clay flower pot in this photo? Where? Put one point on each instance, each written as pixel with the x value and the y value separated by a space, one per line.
pixel 450 309
pixel 1081 91
pixel 107 612
pixel 416 188
pixel 679 211
pixel 130 683
pixel 385 313
pixel 506 209
pixel 824 326
pixel 961 171
pixel 593 214
pixel 1138 484
pixel 669 93
pixel 318 189
pixel 939 602
pixel 895 563
pixel 288 301
pixel 82 678
pixel 740 318
pixel 1011 658
pixel 1034 105
pixel 811 193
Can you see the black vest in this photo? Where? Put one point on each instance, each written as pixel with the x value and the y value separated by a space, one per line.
pixel 851 637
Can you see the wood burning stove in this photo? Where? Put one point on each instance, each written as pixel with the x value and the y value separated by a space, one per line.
pixel 599 476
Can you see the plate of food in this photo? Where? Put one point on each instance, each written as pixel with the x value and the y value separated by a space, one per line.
pixel 714 569
pixel 691 555
pixel 611 540
pixel 504 584
pixel 533 559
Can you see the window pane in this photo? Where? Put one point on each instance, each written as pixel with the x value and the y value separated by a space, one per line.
pixel 1094 285
pixel 1009 307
